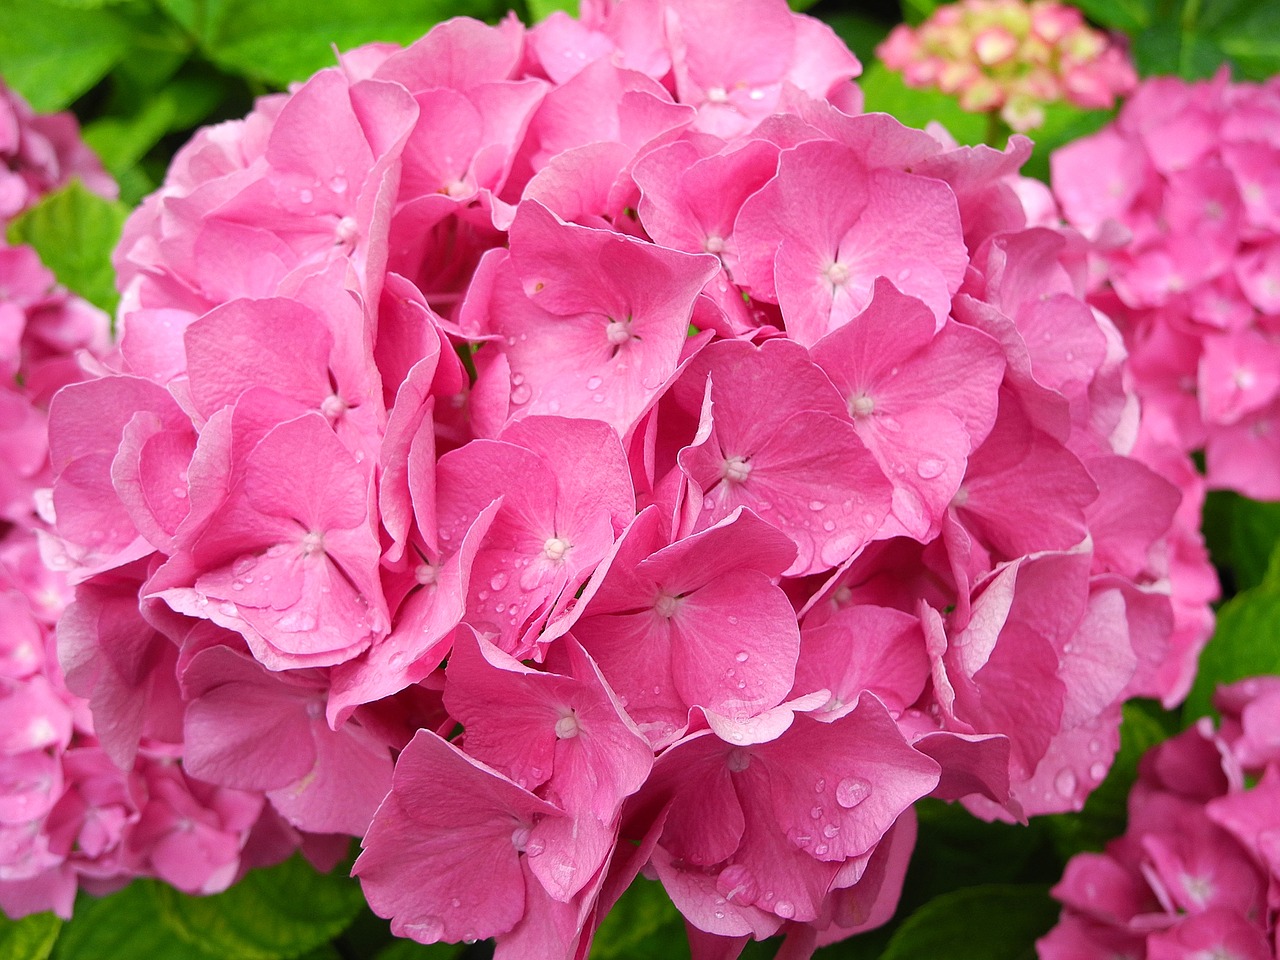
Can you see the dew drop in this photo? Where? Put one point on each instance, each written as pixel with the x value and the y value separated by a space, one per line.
pixel 338 184
pixel 498 581
pixel 1095 746
pixel 520 393
pixel 1098 771
pixel 1065 782
pixel 427 930
pixel 228 609
pixel 820 849
pixel 830 830
pixel 304 195
pixel 819 785
pixel 593 383
pixel 785 909
pixel 244 565
pixel 742 656
pixel 237 585
pixel 930 467
pixel 851 791
pixel 180 492
pixel 535 848
pixel 816 813
pixel 597 398
pixel 828 525
pixel 816 505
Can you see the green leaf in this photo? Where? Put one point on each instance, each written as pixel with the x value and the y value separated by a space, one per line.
pixel 74 231
pixel 1127 15
pixel 800 5
pixel 125 924
pixel 30 938
pixel 541 9
pixel 916 11
pixel 1246 642
pixel 1255 534
pixel 1252 38
pixel 279 41
pixel 643 923
pixel 1106 811
pixel 409 950
pixel 51 55
pixel 860 32
pixel 274 914
pixel 995 922
pixel 885 92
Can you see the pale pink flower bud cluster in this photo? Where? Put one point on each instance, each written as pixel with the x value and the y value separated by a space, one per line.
pixel 1182 198
pixel 409 432
pixel 40 153
pixel 69 816
pixel 1011 57
pixel 1197 872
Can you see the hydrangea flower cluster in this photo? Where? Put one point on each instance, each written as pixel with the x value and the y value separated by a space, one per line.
pixel 1011 58
pixel 1182 196
pixel 40 153
pixel 1197 873
pixel 69 815
pixel 747 459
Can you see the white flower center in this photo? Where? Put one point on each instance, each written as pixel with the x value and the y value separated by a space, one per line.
pixel 555 548
pixel 735 470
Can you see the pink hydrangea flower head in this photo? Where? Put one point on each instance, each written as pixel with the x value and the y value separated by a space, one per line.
pixel 1176 197
pixel 1011 57
pixel 1196 872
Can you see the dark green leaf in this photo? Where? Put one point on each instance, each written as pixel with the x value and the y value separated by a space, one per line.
pixel 861 33
pixel 123 926
pixel 1252 40
pixel 30 938
pixel 915 11
pixel 995 922
pixel 643 923
pixel 273 914
pixel 409 950
pixel 279 41
pixel 1246 642
pixel 1127 15
pixel 799 5
pixel 885 92
pixel 51 55
pixel 74 231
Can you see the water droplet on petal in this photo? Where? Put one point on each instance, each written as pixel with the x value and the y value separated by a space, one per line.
pixel 930 467
pixel 521 393
pixel 819 785
pixel 828 525
pixel 338 184
pixel 830 830
pixel 498 581
pixel 426 930
pixel 1065 782
pixel 816 505
pixel 785 909
pixel 851 791
pixel 1098 771
pixel 180 492
pixel 742 656
pixel 304 195
pixel 593 383
pixel 820 849
pixel 535 848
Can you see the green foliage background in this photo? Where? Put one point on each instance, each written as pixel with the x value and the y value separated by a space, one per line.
pixel 142 74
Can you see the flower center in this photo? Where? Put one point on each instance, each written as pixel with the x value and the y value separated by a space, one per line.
pixel 618 332
pixel 862 405
pixel 567 727
pixel 735 470
pixel 838 274
pixel 312 544
pixel 555 548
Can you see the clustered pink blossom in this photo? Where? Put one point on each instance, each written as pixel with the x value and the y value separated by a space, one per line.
pixel 1011 57
pixel 1182 196
pixel 40 153
pixel 753 466
pixel 70 817
pixel 1197 872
